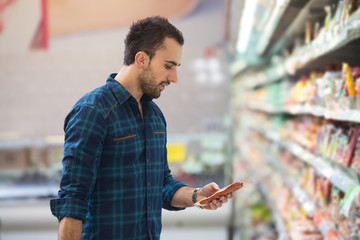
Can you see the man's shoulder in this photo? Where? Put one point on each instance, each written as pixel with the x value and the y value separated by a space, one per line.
pixel 157 111
pixel 100 98
pixel 155 107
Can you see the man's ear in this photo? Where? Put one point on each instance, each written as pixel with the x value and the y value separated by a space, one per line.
pixel 141 60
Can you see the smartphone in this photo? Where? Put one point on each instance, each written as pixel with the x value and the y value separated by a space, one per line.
pixel 222 192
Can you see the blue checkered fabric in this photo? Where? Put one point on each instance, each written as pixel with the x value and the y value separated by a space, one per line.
pixel 116 177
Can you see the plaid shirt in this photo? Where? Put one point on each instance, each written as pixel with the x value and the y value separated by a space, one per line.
pixel 115 177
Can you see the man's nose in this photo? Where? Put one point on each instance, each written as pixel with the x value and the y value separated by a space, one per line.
pixel 173 77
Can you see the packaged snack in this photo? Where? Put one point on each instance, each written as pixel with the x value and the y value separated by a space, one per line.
pixel 346 11
pixel 356 72
pixel 328 17
pixel 334 206
pixel 330 85
pixel 341 145
pixel 344 228
pixel 350 145
pixel 334 143
pixel 355 222
pixel 353 6
pixel 327 131
pixel 308 32
pixel 304 229
pixel 326 189
pixel 348 77
pixel 355 163
pixel 338 13
pixel 316 29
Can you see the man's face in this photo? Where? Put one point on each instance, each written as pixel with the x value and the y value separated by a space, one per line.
pixel 162 69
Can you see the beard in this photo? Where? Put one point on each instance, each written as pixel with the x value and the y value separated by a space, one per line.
pixel 148 84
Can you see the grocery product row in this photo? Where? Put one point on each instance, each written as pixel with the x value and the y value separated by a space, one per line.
pixel 333 94
pixel 320 41
pixel 310 206
pixel 334 142
pixel 339 27
pixel 296 120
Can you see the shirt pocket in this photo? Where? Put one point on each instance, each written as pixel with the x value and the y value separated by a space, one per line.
pixel 124 137
pixel 122 151
pixel 158 142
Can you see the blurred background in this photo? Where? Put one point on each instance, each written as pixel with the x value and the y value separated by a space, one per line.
pixel 262 92
pixel 52 52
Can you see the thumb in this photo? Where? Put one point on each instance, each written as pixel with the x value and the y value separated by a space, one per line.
pixel 215 186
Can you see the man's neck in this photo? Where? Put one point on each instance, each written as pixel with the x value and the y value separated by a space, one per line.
pixel 128 80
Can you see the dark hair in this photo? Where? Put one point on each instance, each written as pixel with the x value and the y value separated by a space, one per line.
pixel 148 35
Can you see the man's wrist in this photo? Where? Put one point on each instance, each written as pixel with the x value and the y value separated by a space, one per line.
pixel 194 195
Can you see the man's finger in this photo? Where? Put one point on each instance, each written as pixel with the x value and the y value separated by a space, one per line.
pixel 213 205
pixel 223 199
pixel 230 195
pixel 215 186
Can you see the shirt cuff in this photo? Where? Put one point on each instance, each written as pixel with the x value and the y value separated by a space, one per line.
pixel 168 193
pixel 69 207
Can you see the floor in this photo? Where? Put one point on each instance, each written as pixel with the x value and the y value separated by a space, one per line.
pixel 17 222
pixel 168 234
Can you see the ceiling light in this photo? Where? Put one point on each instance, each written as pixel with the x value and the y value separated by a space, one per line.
pixel 246 25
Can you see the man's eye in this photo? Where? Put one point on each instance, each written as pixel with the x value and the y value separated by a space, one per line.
pixel 168 67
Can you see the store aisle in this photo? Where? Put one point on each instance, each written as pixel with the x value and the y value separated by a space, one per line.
pixel 168 234
pixel 193 223
pixel 216 233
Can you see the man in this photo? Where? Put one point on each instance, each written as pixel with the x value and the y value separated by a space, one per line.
pixel 116 177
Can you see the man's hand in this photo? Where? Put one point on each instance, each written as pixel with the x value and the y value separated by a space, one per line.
pixel 208 190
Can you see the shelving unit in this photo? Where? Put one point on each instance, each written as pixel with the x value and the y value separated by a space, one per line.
pixel 341 177
pixel 279 222
pixel 325 192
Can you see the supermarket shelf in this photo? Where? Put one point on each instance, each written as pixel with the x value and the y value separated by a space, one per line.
pixel 279 222
pixel 335 48
pixel 302 197
pixel 306 202
pixel 337 41
pixel 338 48
pixel 271 74
pixel 264 107
pixel 264 189
pixel 343 115
pixel 285 14
pixel 340 176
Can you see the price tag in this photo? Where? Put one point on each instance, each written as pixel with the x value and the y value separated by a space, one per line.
pixel 332 235
pixel 326 170
pixel 356 116
pixel 309 208
pixel 351 195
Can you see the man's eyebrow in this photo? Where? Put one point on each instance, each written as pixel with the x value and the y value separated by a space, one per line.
pixel 173 63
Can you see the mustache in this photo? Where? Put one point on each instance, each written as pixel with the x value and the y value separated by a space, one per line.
pixel 167 82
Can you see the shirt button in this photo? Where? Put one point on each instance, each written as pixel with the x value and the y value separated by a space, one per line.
pixel 148 183
pixel 147 160
pixel 149 208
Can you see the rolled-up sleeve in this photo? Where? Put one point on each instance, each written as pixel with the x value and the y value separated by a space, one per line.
pixel 84 136
pixel 69 207
pixel 169 189
pixel 170 186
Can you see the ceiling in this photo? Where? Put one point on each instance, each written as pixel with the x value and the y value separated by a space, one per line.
pixel 50 81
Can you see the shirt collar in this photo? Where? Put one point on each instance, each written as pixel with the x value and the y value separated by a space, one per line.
pixel 120 92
